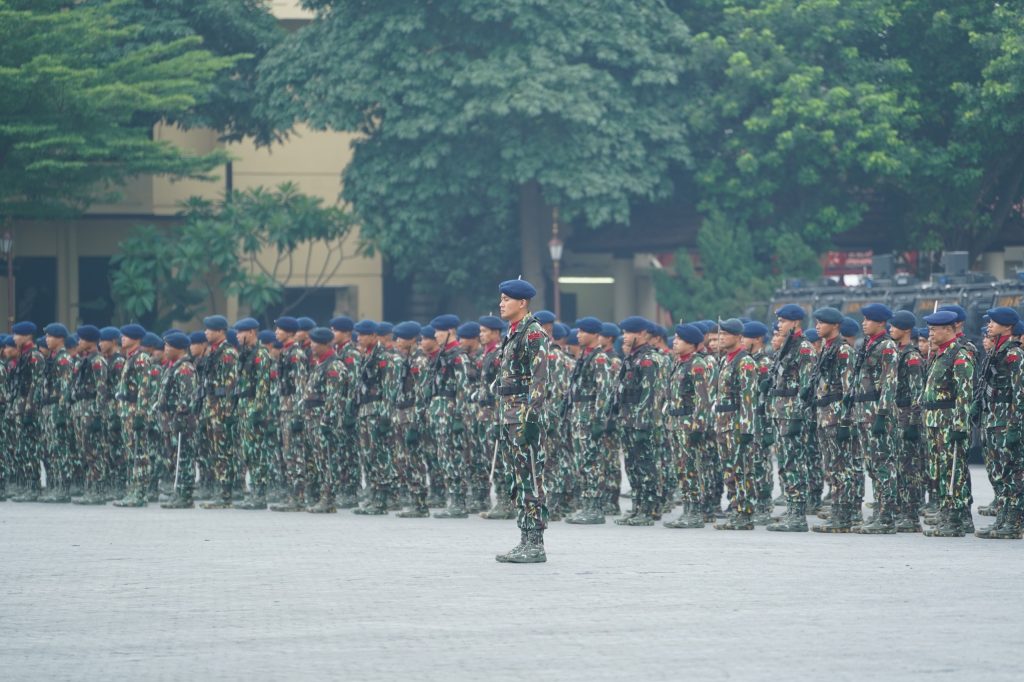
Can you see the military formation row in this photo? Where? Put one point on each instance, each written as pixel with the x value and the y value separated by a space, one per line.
pixel 380 417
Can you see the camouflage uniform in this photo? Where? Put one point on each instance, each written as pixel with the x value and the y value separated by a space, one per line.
pixel 734 429
pixel 764 438
pixel 136 393
pixel 445 414
pixel 477 454
pixel 89 400
pixel 57 439
pixel 376 389
pixel 257 390
pixel 345 439
pixel 789 376
pixel 522 391
pixel 487 427
pixel 218 417
pixel 292 376
pixel 28 391
pixel 6 428
pixel 559 463
pixel 688 413
pixel 1001 406
pixel 871 409
pixel 637 402
pixel 179 394
pixel 407 407
pixel 907 442
pixel 831 382
pixel 116 478
pixel 946 402
pixel 713 470
pixel 322 404
pixel 612 443
pixel 668 472
pixel 587 396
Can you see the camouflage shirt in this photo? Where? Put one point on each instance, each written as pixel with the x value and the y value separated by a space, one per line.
pixel 89 386
pixel 449 388
pixel 28 381
pixel 291 374
pixel 523 374
pixel 257 384
pixel 947 395
pixel 376 383
pixel 57 379
pixel 688 406
pixel 637 399
pixel 323 399
pixel 179 394
pixel 874 381
pixel 1004 386
pixel 910 373
pixel 832 380
pixel 221 376
pixel 737 390
pixel 790 375
pixel 588 386
pixel 135 392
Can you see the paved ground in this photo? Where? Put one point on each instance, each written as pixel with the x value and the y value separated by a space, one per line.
pixel 105 593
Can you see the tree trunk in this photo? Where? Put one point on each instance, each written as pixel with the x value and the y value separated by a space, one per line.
pixel 534 232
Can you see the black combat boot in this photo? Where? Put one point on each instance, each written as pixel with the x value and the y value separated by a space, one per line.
pixel 692 517
pixel 502 509
pixel 325 505
pixel 504 558
pixel 762 513
pixel 183 501
pixel 986 532
pixel 908 521
pixel 950 525
pixel 736 521
pixel 884 522
pixel 256 500
pixel 456 508
pixel 590 514
pixel 838 521
pixel 134 498
pixel 1013 526
pixel 793 521
pixel 417 508
pixel 295 503
pixel 989 509
pixel 529 551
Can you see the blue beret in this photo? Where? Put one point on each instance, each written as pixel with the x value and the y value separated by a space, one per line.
pixel 71 341
pixel 560 331
pixel 24 328
pixel 110 334
pixel 942 318
pixel 849 327
pixel 56 329
pixel 288 324
pixel 828 315
pixel 544 316
pixel 267 336
pixel 590 325
pixel 732 326
pixel 306 323
pixel 755 330
pixel 573 339
pixel 151 340
pixel 342 323
pixel 961 314
pixel 176 340
pixel 690 333
pixel 915 333
pixel 635 324
pixel 812 335
pixel 88 332
pixel 903 319
pixel 1018 328
pixel 610 329
pixel 518 289
pixel 278 344
pixel 876 312
pixel 700 324
pixel 231 336
pixel 407 330
pixel 427 332
pixel 247 324
pixel 9 342
pixel 133 331
pixel 1007 317
pixel 197 337
pixel 923 332
pixel 469 330
pixel 385 329
pixel 321 335
pixel 491 322
pixel 659 331
pixel 443 323
pixel 41 342
pixel 217 323
pixel 172 330
pixel 366 327
pixel 791 311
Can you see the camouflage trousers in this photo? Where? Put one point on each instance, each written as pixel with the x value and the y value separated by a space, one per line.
pixel 216 430
pixel 737 470
pixel 714 480
pixel 58 452
pixel 948 468
pixel 524 477
pixel 613 466
pixel 689 464
pixel 761 463
pixel 591 460
pixel 451 453
pixel 559 460
pixel 410 464
pixel 294 448
pixel 92 445
pixel 27 445
pixel 815 463
pixel 182 464
pixel 348 473
pixel 139 449
pixel 643 469
pixel 668 470
pixel 479 455
pixel 376 443
pixel 319 474
pixel 1005 462
pixel 258 433
pixel 116 459
pixel 877 455
pixel 794 459
pixel 910 482
pixel 838 465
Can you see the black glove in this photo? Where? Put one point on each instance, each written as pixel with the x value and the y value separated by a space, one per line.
pixel 912 433
pixel 975 410
pixel 695 438
pixel 842 434
pixel 230 421
pixel 297 425
pixel 959 436
pixel 138 422
pixel 458 426
pixel 795 428
pixel 768 439
pixel 807 394
pixel 746 438
pixel 848 401
pixel 765 386
pixel 598 429
pixel 878 426
pixel 349 421
pixel 528 433
pixel 412 436
pixel 95 425
pixel 60 419
pixel 384 422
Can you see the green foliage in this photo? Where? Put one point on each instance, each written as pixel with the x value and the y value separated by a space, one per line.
pixel 80 94
pixel 459 104
pixel 245 246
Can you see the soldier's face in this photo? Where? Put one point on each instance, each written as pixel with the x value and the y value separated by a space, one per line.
pixel 22 339
pixel 321 348
pixel 940 335
pixel 871 327
pixel 786 326
pixel 442 337
pixel 470 344
pixel 197 349
pixel 341 338
pixel 281 335
pixel 511 308
pixel 367 341
pixel 777 338
pixel 728 342
pixel 405 345
pixel 587 339
pixel 54 342
pixel 711 340
pixel 247 338
pixel 997 330
pixel 630 339
pixel 680 347
pixel 428 344
pixel 899 335
pixel 489 336
pixel 922 345
pixel 826 330
pixel 172 353
pixel 215 336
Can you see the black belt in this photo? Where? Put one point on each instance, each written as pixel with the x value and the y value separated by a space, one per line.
pixel 784 392
pixel 726 408
pixel 128 397
pixel 517 389
pixel 365 399
pixel 939 405
pixel 681 412
pixel 49 401
pixel 584 398
pixel 828 399
pixel 867 397
pixel 316 402
pixel 218 393
pixel 904 402
pixel 405 404
pixel 999 399
pixel 445 394
pixel 85 396
pixel 488 402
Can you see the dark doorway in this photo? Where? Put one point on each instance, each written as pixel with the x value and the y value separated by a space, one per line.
pixel 95 305
pixel 35 289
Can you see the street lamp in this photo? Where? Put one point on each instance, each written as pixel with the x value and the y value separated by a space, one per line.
pixel 7 246
pixel 555 249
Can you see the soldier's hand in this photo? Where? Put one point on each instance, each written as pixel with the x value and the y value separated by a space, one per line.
pixel 28 419
pixel 60 418
pixel 975 410
pixel 848 401
pixel 768 439
pixel 297 425
pixel 230 421
pixel 528 433
pixel 458 426
pixel 695 438
pixel 1013 436
pixel 765 386
pixel 842 433
pixel 412 436
pixel 384 422
pixel 912 433
pixel 806 394
pixel 598 429
pixel 959 436
pixel 878 426
pixel 349 421
pixel 795 428
pixel 138 422
pixel 746 438
pixel 95 425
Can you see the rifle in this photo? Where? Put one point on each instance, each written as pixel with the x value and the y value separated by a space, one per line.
pixel 978 403
pixel 769 384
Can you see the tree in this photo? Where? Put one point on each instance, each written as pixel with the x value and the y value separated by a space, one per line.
pixel 80 95
pixel 460 104
pixel 245 246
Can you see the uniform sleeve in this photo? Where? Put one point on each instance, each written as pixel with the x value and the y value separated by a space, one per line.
pixel 805 366
pixel 887 378
pixel 392 385
pixel 844 366
pixel 461 383
pixel 747 375
pixel 1015 362
pixel 99 372
pixel 963 385
pixel 702 395
pixel 915 386
pixel 537 348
